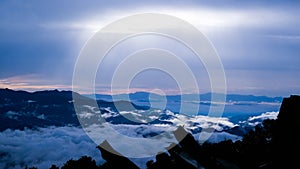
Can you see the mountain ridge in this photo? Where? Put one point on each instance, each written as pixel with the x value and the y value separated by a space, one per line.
pixel 204 96
pixel 141 94
pixel 20 109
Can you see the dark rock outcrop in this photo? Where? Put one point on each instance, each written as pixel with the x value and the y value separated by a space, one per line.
pixel 113 158
pixel 83 162
pixel 286 141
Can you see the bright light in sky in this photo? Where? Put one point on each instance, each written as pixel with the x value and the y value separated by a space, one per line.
pixel 206 19
pixel 258 41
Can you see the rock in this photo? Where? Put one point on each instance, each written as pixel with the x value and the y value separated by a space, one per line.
pixel 113 158
pixel 286 141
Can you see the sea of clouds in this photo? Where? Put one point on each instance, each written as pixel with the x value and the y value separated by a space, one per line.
pixel 43 147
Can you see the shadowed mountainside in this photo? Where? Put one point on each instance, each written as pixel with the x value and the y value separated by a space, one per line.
pixel 20 109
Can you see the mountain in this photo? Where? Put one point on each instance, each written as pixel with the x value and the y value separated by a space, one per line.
pixel 144 96
pixel 234 107
pixel 50 116
pixel 21 109
pixel 286 141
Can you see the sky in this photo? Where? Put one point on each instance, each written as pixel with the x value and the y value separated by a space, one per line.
pixel 257 41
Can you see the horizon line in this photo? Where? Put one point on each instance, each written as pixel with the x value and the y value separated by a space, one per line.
pixel 62 90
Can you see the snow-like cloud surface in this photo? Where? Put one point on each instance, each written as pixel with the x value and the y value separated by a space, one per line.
pixel 264 116
pixel 192 122
pixel 55 145
pixel 220 136
pixel 44 147
pixel 257 120
pixel 133 141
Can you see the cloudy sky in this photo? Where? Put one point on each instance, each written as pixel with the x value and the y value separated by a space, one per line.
pixel 258 41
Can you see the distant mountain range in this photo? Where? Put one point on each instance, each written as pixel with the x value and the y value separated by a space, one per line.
pixel 144 96
pixel 21 109
pixel 235 103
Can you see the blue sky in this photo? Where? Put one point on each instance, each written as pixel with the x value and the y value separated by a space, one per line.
pixel 257 41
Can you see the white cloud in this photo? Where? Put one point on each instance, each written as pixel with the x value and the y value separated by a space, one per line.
pixel 42 116
pixel 44 147
pixel 12 115
pixel 129 140
pixel 55 145
pixel 85 114
pixel 284 37
pixel 202 121
pixel 220 136
pixel 204 18
pixel 264 116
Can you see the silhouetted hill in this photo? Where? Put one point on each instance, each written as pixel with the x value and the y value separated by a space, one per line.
pixel 43 97
pixel 20 109
pixel 286 135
